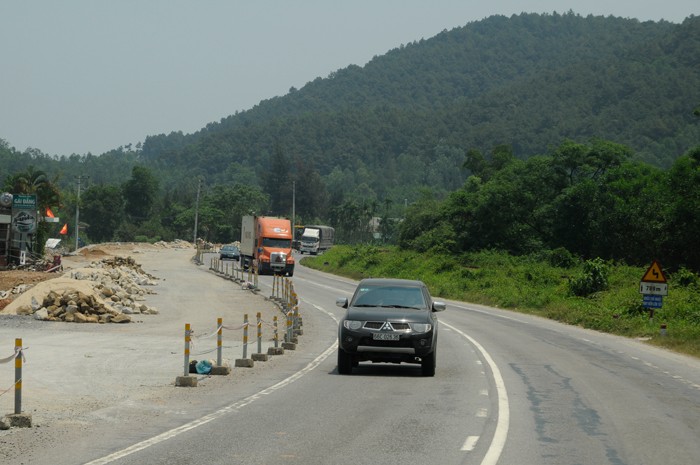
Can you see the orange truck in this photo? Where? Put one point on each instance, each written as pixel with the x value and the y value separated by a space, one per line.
pixel 267 242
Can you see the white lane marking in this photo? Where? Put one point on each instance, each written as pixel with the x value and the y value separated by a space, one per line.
pixel 214 415
pixel 584 339
pixel 323 310
pixel 502 423
pixel 482 413
pixel 470 443
pixel 485 312
pixel 330 288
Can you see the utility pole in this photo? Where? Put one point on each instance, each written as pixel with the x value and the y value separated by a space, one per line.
pixel 77 212
pixel 196 212
pixel 294 204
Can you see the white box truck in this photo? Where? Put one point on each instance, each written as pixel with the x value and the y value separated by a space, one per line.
pixel 316 239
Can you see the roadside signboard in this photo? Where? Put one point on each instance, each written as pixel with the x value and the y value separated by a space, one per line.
pixel 653 286
pixel 24 215
pixel 654 274
pixel 647 288
pixel 652 301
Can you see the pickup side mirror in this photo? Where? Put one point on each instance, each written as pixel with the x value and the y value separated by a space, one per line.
pixel 341 302
pixel 439 306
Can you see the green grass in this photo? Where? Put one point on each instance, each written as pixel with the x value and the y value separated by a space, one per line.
pixel 532 285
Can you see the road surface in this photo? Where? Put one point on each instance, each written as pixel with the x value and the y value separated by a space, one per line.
pixel 508 389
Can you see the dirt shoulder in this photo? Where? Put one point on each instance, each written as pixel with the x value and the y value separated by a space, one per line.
pixel 14 283
pixel 74 373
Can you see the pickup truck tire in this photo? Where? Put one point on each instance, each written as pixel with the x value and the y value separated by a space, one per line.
pixel 344 362
pixel 427 364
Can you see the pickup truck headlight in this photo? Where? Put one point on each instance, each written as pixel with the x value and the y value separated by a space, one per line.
pixel 421 327
pixel 352 324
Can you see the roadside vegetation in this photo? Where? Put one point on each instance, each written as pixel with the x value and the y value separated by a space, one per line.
pixel 594 294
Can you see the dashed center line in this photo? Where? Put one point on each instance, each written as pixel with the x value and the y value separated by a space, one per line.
pixel 470 443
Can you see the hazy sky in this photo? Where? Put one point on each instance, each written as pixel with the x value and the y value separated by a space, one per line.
pixel 80 76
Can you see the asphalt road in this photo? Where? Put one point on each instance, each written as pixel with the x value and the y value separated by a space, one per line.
pixel 508 389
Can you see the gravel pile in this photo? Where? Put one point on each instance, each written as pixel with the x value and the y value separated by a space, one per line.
pixel 106 291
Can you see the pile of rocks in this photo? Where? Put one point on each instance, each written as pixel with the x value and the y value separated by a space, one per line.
pixel 76 307
pixel 117 290
pixel 14 291
pixel 176 244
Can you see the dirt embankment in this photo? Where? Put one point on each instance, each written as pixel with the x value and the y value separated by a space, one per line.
pixel 23 284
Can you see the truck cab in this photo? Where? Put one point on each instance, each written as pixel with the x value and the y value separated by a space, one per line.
pixel 310 239
pixel 316 239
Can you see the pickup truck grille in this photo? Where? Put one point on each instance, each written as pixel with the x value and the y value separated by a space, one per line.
pixel 377 325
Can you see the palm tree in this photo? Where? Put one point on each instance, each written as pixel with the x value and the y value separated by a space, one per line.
pixel 34 181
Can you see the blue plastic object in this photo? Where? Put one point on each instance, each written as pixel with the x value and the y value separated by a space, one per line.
pixel 204 367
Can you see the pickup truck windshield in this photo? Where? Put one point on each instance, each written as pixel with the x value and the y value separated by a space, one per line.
pixel 400 297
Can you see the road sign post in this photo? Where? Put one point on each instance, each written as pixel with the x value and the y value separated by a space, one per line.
pixel 653 287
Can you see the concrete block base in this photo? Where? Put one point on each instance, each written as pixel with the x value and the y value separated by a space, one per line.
pixel 186 381
pixel 289 346
pixel 275 351
pixel 19 420
pixel 220 370
pixel 244 363
pixel 260 357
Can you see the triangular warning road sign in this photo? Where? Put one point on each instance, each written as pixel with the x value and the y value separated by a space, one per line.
pixel 654 274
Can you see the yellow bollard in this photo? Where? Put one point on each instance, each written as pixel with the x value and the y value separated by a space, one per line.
pixel 219 340
pixel 245 336
pixel 18 376
pixel 188 339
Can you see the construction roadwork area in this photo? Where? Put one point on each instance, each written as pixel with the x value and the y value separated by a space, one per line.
pixel 77 376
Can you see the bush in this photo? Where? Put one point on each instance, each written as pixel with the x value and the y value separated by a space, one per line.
pixel 439 240
pixel 684 277
pixel 561 258
pixel 593 278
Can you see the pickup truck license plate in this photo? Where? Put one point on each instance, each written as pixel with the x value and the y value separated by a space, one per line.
pixel 385 337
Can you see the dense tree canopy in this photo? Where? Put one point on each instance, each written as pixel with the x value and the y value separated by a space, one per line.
pixel 526 133
pixel 583 198
pixel 102 211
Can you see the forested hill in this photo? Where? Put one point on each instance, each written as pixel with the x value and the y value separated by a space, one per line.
pixel 529 81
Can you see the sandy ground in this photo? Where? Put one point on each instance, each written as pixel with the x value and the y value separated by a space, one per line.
pixel 72 372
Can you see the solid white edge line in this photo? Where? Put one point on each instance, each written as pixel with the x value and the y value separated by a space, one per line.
pixel 219 413
pixel 502 423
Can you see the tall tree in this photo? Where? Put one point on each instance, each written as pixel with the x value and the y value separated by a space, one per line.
pixel 34 181
pixel 140 193
pixel 277 182
pixel 310 192
pixel 102 208
pixel 683 194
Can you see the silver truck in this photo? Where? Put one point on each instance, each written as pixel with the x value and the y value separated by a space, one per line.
pixel 316 239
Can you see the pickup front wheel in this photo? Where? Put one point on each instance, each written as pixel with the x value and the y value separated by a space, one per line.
pixel 344 362
pixel 427 364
